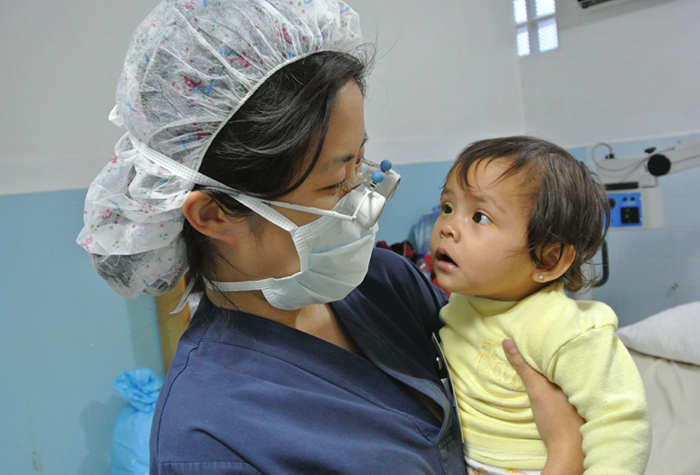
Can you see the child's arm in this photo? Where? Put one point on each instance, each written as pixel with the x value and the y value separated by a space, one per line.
pixel 600 378
pixel 557 420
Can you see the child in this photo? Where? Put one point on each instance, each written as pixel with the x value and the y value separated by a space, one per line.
pixel 519 217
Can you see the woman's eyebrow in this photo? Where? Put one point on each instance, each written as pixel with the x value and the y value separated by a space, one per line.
pixel 345 158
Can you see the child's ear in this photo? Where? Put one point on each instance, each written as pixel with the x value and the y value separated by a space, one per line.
pixel 556 260
pixel 205 215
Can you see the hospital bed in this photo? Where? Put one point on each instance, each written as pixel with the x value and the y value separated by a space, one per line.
pixel 666 349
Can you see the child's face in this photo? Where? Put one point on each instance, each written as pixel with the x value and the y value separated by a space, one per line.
pixel 479 242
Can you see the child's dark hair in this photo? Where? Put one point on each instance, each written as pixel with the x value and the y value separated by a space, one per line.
pixel 570 206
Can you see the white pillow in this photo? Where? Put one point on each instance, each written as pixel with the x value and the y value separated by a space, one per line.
pixel 673 334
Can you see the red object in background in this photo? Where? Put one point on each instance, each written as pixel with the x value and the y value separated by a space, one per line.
pixel 406 250
pixel 383 245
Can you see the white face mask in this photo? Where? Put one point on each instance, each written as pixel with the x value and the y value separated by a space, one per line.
pixel 333 253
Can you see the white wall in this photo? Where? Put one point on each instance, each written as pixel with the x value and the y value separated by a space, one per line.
pixel 446 74
pixel 629 71
pixel 60 62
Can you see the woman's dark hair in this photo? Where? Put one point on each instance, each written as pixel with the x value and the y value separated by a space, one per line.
pixel 570 206
pixel 261 150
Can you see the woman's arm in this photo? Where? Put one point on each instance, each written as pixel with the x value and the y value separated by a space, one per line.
pixel 557 420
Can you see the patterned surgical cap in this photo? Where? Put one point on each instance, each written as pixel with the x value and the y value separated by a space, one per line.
pixel 189 68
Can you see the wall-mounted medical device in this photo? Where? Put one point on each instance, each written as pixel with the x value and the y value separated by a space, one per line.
pixel 636 201
pixel 628 207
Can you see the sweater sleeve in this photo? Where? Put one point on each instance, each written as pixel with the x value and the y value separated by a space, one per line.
pixel 599 376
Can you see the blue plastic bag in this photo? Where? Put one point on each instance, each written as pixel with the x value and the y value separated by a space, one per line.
pixel 132 427
pixel 419 235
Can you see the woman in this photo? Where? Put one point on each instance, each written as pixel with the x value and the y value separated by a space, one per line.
pixel 310 352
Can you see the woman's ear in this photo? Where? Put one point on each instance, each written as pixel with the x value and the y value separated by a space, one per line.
pixel 556 260
pixel 205 215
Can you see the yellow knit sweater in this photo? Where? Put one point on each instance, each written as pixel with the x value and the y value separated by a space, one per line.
pixel 571 342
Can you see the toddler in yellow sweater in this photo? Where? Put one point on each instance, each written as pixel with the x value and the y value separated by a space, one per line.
pixel 519 218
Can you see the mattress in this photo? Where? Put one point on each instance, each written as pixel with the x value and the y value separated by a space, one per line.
pixel 673 394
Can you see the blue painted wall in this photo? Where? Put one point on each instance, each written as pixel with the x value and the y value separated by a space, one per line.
pixel 419 191
pixel 66 336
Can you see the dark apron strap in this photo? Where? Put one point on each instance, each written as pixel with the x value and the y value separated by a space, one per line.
pixel 444 375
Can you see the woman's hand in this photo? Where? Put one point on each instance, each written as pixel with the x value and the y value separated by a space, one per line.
pixel 557 420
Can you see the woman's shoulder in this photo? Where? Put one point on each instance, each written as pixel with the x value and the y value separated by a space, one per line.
pixel 393 291
pixel 391 277
pixel 389 268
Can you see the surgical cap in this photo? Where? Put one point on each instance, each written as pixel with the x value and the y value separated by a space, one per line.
pixel 189 68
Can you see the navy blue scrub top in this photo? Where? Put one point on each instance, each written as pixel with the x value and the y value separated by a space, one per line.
pixel 246 395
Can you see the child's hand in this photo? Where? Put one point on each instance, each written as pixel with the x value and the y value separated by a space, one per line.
pixel 557 420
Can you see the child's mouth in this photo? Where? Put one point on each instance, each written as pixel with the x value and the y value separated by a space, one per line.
pixel 443 260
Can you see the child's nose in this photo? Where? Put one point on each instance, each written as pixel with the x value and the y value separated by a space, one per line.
pixel 448 230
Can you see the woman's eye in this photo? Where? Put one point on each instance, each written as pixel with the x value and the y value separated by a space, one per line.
pixel 336 186
pixel 481 218
pixel 358 165
pixel 445 209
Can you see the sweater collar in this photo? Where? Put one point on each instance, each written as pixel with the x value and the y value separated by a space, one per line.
pixel 487 307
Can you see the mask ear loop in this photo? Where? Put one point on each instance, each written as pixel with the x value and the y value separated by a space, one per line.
pixel 174 167
pixel 183 300
pixel 188 174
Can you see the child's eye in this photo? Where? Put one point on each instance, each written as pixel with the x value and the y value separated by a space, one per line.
pixel 445 209
pixel 481 218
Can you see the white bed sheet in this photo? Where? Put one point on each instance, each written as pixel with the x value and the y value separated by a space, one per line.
pixel 673 394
